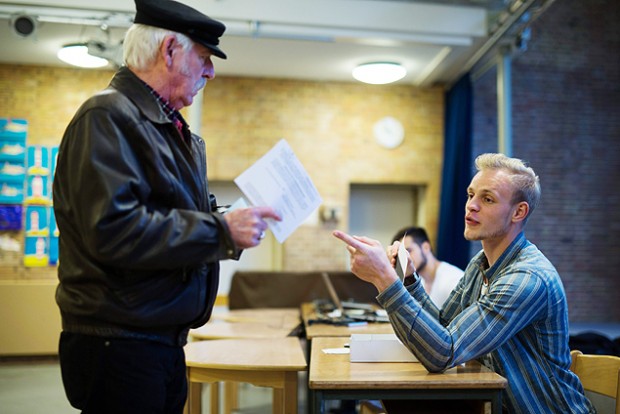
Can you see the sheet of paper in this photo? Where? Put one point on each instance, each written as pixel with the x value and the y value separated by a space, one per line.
pixel 239 203
pixel 337 351
pixel 279 180
pixel 401 262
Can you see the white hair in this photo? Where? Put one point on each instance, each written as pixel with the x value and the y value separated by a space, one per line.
pixel 142 43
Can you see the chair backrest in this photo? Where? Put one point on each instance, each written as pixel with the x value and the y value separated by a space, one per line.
pixel 598 373
pixel 282 289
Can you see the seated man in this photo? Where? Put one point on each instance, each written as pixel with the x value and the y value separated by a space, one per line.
pixel 437 277
pixel 509 310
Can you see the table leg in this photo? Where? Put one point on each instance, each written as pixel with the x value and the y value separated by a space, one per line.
pixel 231 392
pixel 496 403
pixel 309 393
pixel 214 403
pixel 291 387
pixel 193 405
pixel 318 404
pixel 278 401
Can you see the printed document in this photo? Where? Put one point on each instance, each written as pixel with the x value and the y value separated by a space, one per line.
pixel 279 180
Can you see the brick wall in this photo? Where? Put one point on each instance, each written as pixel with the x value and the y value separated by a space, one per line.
pixel 566 124
pixel 328 125
pixel 566 116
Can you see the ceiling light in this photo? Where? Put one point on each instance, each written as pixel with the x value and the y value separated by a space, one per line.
pixel 379 73
pixel 76 54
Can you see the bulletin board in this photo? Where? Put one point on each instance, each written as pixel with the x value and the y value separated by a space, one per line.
pixel 28 231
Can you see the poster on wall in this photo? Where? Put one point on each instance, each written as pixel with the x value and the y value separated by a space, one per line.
pixel 26 173
pixel 12 160
pixel 40 243
pixel 53 239
pixel 38 176
pixel 36 240
pixel 54 232
pixel 36 252
pixel 10 217
pixel 53 160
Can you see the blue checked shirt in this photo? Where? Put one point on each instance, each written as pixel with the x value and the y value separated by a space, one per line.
pixel 518 328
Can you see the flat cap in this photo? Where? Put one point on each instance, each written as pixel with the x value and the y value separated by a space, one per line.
pixel 180 18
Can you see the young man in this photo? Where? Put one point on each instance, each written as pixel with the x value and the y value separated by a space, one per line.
pixel 437 277
pixel 509 310
pixel 140 238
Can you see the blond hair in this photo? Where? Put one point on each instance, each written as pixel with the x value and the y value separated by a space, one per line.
pixel 525 182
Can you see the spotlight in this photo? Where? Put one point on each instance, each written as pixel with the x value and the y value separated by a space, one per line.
pixel 24 25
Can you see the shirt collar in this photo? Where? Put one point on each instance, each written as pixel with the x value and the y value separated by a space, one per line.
pixel 506 257
pixel 172 114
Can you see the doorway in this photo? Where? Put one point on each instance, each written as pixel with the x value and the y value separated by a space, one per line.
pixel 380 210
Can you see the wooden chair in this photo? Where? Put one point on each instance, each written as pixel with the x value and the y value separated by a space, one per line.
pixel 598 373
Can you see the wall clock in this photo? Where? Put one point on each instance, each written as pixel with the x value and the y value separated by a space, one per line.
pixel 389 132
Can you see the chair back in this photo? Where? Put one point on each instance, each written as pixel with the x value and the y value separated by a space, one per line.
pixel 598 373
pixel 289 289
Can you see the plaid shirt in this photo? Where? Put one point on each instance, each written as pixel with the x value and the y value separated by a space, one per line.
pixel 173 115
pixel 518 328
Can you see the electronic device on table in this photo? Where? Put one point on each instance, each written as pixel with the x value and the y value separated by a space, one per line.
pixel 347 313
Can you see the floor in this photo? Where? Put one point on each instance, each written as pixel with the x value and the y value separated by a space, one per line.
pixel 35 387
pixel 32 387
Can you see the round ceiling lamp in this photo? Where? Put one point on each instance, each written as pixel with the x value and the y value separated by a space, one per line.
pixel 379 73
pixel 76 54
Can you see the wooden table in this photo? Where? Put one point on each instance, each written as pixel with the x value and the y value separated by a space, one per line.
pixel 318 330
pixel 271 363
pixel 256 323
pixel 249 323
pixel 335 377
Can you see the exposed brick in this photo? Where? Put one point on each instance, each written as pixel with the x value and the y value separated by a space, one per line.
pixel 566 124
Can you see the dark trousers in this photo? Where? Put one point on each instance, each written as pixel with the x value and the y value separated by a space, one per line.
pixel 112 375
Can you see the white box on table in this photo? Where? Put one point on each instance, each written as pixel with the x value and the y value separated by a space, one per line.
pixel 379 348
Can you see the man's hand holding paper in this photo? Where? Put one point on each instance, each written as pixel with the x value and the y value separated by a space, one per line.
pixel 279 180
pixel 247 225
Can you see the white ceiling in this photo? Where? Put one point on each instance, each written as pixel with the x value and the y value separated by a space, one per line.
pixel 296 39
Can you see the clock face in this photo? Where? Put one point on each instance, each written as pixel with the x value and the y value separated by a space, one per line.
pixel 389 132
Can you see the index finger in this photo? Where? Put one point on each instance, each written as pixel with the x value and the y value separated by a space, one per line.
pixel 267 212
pixel 356 244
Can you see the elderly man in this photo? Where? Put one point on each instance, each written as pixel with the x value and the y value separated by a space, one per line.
pixel 140 237
pixel 509 310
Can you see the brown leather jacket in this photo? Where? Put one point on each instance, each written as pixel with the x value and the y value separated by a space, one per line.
pixel 140 240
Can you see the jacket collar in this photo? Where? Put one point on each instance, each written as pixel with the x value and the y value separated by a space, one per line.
pixel 126 82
